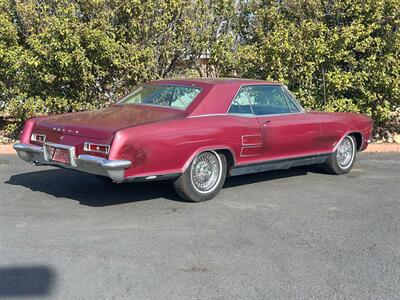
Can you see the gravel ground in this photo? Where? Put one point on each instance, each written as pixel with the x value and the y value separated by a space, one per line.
pixel 288 234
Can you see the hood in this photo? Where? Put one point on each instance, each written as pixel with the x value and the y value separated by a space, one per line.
pixel 102 123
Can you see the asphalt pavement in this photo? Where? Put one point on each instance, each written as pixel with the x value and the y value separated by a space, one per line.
pixel 292 234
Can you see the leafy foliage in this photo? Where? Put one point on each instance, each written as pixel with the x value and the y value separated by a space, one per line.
pixel 335 55
pixel 68 55
pixel 63 56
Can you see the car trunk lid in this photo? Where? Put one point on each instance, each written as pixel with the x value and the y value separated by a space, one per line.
pixel 102 124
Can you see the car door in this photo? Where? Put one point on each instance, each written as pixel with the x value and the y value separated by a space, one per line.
pixel 287 130
pixel 249 138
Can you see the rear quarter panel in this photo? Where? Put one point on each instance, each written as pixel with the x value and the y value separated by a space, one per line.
pixel 169 146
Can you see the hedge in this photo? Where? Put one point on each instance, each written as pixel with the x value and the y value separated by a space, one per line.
pixel 68 55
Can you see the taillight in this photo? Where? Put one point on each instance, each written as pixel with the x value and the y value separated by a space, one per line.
pixel 40 138
pixel 96 148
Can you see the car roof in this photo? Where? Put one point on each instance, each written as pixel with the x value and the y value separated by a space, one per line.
pixel 212 81
pixel 216 95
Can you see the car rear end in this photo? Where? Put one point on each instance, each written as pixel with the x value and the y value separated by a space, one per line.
pixel 81 148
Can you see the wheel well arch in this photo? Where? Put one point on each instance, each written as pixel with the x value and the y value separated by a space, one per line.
pixel 359 139
pixel 357 136
pixel 226 151
pixel 230 158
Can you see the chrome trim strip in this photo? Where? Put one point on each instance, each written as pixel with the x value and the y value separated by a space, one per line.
pixel 284 114
pixel 286 99
pixel 159 177
pixel 254 144
pixel 279 164
pixel 296 102
pixel 154 105
pixel 246 115
pixel 234 97
pixel 207 115
pixel 250 147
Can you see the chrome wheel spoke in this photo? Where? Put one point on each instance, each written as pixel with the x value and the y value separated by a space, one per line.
pixel 205 171
pixel 345 152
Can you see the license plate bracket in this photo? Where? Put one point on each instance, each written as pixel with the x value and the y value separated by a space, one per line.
pixel 60 155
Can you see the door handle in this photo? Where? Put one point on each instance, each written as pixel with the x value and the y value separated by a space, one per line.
pixel 265 123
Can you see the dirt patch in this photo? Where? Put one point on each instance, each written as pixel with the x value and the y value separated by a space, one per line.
pixel 383 147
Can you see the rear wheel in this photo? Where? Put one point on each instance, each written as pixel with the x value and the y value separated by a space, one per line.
pixel 204 178
pixel 342 160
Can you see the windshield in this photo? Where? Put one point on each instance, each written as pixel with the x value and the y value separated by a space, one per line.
pixel 162 95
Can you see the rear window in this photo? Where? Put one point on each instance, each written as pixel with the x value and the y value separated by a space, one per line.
pixel 162 95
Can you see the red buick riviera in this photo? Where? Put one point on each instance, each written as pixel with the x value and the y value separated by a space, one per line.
pixel 196 132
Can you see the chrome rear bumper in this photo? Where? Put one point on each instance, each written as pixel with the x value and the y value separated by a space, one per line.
pixel 38 155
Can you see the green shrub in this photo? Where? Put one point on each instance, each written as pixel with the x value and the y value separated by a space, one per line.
pixel 69 55
pixel 336 56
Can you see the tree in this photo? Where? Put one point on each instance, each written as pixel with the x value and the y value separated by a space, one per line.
pixel 335 55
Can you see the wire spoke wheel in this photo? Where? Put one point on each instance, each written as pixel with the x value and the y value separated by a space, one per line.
pixel 205 172
pixel 345 152
pixel 204 177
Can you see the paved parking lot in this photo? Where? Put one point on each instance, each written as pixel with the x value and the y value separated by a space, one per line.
pixel 288 234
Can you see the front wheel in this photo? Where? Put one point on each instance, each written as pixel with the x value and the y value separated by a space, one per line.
pixel 204 178
pixel 342 160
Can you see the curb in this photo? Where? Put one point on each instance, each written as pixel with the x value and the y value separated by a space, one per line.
pixel 383 148
pixel 7 149
pixel 372 148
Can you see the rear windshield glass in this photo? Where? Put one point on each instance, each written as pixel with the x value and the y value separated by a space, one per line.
pixel 162 95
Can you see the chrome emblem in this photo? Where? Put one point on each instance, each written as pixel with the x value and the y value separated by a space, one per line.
pixel 59 129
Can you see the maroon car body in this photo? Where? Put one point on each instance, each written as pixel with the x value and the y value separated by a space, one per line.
pixel 129 141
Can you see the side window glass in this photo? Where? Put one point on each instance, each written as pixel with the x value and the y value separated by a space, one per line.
pixel 182 97
pixel 241 103
pixel 269 100
pixel 291 101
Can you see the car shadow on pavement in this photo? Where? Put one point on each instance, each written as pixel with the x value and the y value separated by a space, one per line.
pixel 267 176
pixel 90 191
pixel 26 281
